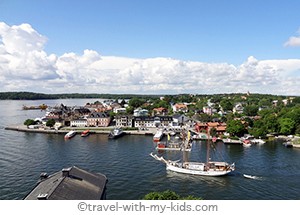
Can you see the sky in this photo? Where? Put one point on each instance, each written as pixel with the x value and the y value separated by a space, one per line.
pixel 150 46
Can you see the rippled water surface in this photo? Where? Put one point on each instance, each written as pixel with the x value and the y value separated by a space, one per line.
pixel 131 172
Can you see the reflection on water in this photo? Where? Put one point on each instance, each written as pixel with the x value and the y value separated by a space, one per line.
pixel 131 172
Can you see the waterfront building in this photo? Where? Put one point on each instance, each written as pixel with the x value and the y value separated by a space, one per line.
pixel 69 184
pixel 152 122
pixel 78 123
pixel 98 119
pixel 144 122
pixel 124 121
pixel 207 126
pixel 163 121
pixel 180 119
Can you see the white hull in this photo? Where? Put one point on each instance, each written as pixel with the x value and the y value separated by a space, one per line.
pixel 70 134
pixel 210 172
pixel 173 149
pixel 158 135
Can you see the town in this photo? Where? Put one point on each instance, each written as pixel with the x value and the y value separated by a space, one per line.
pixel 224 116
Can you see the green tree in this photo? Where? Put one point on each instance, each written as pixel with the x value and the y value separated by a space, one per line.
pixel 50 123
pixel 251 110
pixel 235 128
pixel 271 123
pixel 287 126
pixel 259 129
pixel 226 105
pixel 29 122
pixel 297 130
pixel 168 195
pixel 265 102
pixel 204 117
pixel 136 102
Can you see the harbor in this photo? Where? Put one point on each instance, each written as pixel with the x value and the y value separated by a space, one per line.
pixel 131 172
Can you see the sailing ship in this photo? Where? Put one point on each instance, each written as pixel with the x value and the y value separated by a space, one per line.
pixel 208 168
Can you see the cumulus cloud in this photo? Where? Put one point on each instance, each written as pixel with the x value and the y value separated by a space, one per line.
pixel 24 65
pixel 293 41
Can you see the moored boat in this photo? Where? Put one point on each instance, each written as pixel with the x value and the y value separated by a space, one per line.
pixel 158 135
pixel 232 142
pixel 247 143
pixel 116 133
pixel 85 133
pixel 258 141
pixel 288 144
pixel 70 134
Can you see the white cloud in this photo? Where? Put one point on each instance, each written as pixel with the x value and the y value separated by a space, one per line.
pixel 24 65
pixel 293 41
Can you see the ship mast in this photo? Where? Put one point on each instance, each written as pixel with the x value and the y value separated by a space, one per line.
pixel 208 147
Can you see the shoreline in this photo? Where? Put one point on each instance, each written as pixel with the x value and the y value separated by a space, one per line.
pixel 64 130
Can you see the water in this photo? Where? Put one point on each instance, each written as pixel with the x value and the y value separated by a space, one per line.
pixel 131 172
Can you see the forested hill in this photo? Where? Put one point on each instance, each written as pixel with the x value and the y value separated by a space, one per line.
pixel 37 96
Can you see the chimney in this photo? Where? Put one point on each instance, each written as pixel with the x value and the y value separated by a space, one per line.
pixel 66 172
pixel 42 196
pixel 43 176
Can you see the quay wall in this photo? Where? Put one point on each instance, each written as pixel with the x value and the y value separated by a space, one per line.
pixel 64 130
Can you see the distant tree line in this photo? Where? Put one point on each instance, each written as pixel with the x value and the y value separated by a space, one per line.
pixel 39 96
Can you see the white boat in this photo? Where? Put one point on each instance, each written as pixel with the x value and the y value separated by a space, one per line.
pixel 250 176
pixel 158 135
pixel 258 141
pixel 288 144
pixel 247 143
pixel 70 134
pixel 208 168
pixel 115 133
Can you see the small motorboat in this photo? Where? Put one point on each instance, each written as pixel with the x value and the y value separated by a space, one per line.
pixel 250 176
pixel 85 133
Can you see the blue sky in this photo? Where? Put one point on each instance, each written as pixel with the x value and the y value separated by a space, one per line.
pixel 211 32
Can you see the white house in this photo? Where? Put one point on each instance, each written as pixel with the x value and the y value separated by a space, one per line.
pixel 78 123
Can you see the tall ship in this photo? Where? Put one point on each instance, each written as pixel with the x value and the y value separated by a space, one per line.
pixel 208 168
